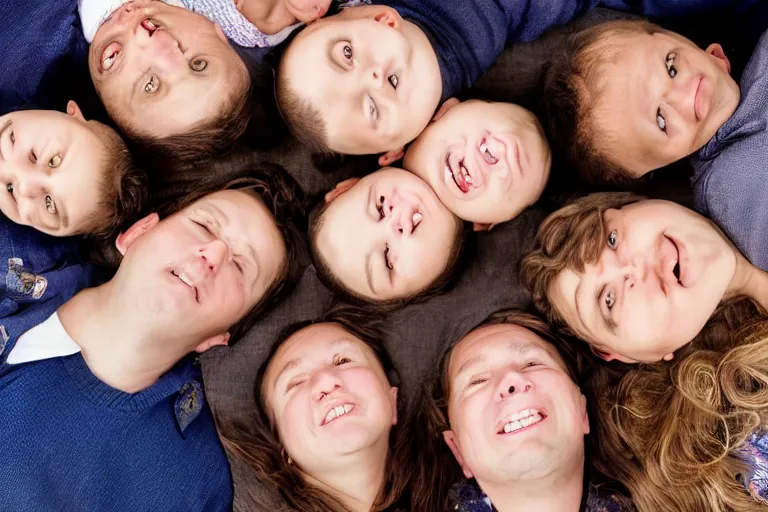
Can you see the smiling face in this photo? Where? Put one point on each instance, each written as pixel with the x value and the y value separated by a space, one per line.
pixel 486 162
pixel 161 70
pixel 514 412
pixel 201 270
pixel 386 237
pixel 51 170
pixel 329 398
pixel 660 99
pixel 660 276
pixel 373 77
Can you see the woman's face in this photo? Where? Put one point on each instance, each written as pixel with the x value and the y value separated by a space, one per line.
pixel 387 236
pixel 487 162
pixel 329 398
pixel 663 271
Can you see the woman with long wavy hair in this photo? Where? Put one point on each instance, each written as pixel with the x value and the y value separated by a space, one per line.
pixel 690 434
pixel 327 438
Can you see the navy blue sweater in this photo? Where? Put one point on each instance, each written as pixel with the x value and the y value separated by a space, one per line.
pixel 730 181
pixel 468 35
pixel 70 442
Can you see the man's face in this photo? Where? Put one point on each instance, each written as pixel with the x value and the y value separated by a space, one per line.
pixel 388 236
pixel 198 272
pixel 661 274
pixel 661 99
pixel 373 76
pixel 486 162
pixel 51 170
pixel 329 397
pixel 160 70
pixel 514 412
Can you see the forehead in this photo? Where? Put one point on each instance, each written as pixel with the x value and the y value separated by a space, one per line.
pixel 562 294
pixel 493 341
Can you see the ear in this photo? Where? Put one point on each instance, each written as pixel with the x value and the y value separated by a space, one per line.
pixel 387 16
pixel 585 416
pixel 450 440
pixel 393 397
pixel 220 33
pixel 716 51
pixel 477 226
pixel 668 357
pixel 221 339
pixel 125 240
pixel 445 107
pixel 391 157
pixel 340 188
pixel 74 110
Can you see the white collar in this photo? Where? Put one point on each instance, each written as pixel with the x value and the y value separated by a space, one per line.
pixel 44 341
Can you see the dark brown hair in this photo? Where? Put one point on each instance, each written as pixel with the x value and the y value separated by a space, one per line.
pixel 436 469
pixel 258 444
pixel 302 118
pixel 570 94
pixel 123 188
pixel 284 200
pixel 458 255
pixel 670 432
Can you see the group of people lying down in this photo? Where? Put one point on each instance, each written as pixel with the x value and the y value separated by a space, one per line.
pixel 633 376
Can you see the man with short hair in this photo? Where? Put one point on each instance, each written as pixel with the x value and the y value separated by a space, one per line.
pixel 100 408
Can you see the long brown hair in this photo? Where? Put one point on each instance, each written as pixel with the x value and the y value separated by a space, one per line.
pixel 258 443
pixel 669 431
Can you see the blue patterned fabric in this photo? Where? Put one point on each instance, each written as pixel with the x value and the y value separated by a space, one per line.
pixel 755 454
pixel 39 274
pixel 730 181
pixel 468 497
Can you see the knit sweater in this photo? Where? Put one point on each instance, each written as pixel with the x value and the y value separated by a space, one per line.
pixel 468 35
pixel 71 442
pixel 730 181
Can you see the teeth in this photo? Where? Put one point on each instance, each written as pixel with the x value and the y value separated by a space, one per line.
pixel 417 218
pixel 149 25
pixel 514 425
pixel 339 410
pixel 465 173
pixel 107 64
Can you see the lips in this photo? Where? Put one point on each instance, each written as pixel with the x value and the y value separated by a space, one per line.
pixel 340 410
pixel 109 56
pixel 186 279
pixel 674 265
pixel 520 420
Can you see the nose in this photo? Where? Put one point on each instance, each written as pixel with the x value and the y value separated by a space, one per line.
pixel 158 51
pixel 324 383
pixel 214 254
pixel 513 383
pixel 375 77
pixel 28 185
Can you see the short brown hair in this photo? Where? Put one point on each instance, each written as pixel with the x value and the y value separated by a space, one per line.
pixel 570 238
pixel 302 118
pixel 123 189
pixel 447 278
pixel 570 94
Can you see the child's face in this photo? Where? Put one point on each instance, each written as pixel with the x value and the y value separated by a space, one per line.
pixel 660 99
pixel 373 77
pixel 660 276
pixel 387 235
pixel 486 162
pixel 160 70
pixel 51 169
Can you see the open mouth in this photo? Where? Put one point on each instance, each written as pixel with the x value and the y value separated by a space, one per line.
pixel 459 173
pixel 676 270
pixel 486 153
pixel 185 279
pixel 337 412
pixel 521 421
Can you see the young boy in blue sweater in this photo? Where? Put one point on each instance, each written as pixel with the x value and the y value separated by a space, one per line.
pixel 646 98
pixel 369 79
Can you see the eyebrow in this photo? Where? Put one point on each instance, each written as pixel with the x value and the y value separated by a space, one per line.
pixel 293 363
pixel 470 362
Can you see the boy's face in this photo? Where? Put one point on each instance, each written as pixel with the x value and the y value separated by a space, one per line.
pixel 386 236
pixel 486 162
pixel 661 274
pixel 660 99
pixel 51 170
pixel 161 70
pixel 373 76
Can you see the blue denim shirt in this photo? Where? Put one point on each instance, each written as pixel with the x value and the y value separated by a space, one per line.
pixel 39 274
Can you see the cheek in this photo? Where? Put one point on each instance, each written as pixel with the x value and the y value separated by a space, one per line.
pixel 292 425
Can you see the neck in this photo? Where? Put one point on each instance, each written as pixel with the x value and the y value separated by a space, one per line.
pixel 561 492
pixel 358 481
pixel 750 281
pixel 115 350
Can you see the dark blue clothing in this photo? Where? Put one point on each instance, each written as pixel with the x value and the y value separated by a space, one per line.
pixel 43 54
pixel 70 442
pixel 468 35
pixel 39 274
pixel 730 181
